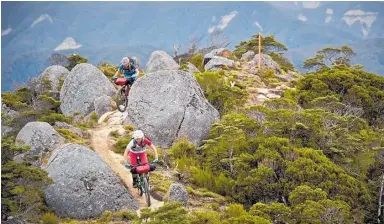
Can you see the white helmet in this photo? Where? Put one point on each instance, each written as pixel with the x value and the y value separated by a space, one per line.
pixel 125 60
pixel 138 134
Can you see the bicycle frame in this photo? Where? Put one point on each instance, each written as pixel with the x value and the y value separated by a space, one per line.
pixel 142 181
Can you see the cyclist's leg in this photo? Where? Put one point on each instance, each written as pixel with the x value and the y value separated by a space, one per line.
pixel 143 157
pixel 133 160
pixel 131 80
pixel 129 83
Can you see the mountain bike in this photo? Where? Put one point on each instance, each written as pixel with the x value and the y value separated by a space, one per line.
pixel 122 93
pixel 142 179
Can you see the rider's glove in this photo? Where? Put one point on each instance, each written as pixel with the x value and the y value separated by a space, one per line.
pixel 127 165
pixel 155 160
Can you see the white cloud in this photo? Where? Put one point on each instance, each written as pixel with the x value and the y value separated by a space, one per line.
pixel 365 18
pixel 7 31
pixel 213 19
pixel 302 17
pixel 328 13
pixel 311 5
pixel 41 19
pixel 328 19
pixel 68 43
pixel 258 25
pixel 226 19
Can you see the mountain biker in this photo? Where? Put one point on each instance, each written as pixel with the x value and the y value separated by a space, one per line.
pixel 136 147
pixel 129 68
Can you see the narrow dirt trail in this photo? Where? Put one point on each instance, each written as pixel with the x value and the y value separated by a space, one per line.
pixel 99 141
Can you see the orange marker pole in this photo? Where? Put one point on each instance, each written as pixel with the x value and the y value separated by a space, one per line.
pixel 259 51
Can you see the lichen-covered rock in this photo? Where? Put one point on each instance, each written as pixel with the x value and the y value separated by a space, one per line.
pixel 84 186
pixel 169 104
pixel 42 138
pixel 159 61
pixel 84 84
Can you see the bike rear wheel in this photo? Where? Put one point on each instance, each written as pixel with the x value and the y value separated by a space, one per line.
pixel 146 191
pixel 121 100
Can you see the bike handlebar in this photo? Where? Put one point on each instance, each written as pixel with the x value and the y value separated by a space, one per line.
pixel 133 166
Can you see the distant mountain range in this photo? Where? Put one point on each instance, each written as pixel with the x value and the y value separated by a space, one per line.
pixel 106 31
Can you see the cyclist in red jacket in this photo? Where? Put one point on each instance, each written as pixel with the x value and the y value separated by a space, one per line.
pixel 136 147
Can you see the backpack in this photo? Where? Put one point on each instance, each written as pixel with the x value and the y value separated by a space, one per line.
pixel 134 141
pixel 133 61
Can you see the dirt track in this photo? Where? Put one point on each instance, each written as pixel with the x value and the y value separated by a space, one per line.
pixel 100 143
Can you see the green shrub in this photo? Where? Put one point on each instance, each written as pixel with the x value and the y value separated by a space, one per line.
pixel 129 127
pixel 197 61
pixel 71 136
pixel 282 61
pixel 106 216
pixel 126 215
pixel 13 101
pixel 121 144
pixel 46 83
pixel 170 212
pixel 204 216
pixel 93 116
pixel 182 148
pixel 54 117
pixel 50 101
pixel 22 189
pixel 50 218
pixel 219 93
pixel 114 133
pixel 75 59
pixel 61 82
pixel 108 69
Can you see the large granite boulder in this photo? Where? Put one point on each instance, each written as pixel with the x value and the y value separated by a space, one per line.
pixel 169 104
pixel 84 84
pixel 160 60
pixel 42 138
pixel 84 186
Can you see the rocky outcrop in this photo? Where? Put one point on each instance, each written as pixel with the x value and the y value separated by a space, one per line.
pixel 247 55
pixel 216 63
pixel 160 60
pixel 192 68
pixel 104 104
pixel 42 138
pixel 220 52
pixel 177 192
pixel 169 104
pixel 8 114
pixel 59 59
pixel 49 80
pixel 84 186
pixel 266 62
pixel 84 84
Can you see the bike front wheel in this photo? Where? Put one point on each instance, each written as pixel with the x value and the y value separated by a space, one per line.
pixel 146 192
pixel 121 100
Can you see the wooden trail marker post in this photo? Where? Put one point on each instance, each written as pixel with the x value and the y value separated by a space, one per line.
pixel 259 63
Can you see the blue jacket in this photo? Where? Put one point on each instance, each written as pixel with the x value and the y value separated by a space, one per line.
pixel 128 73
